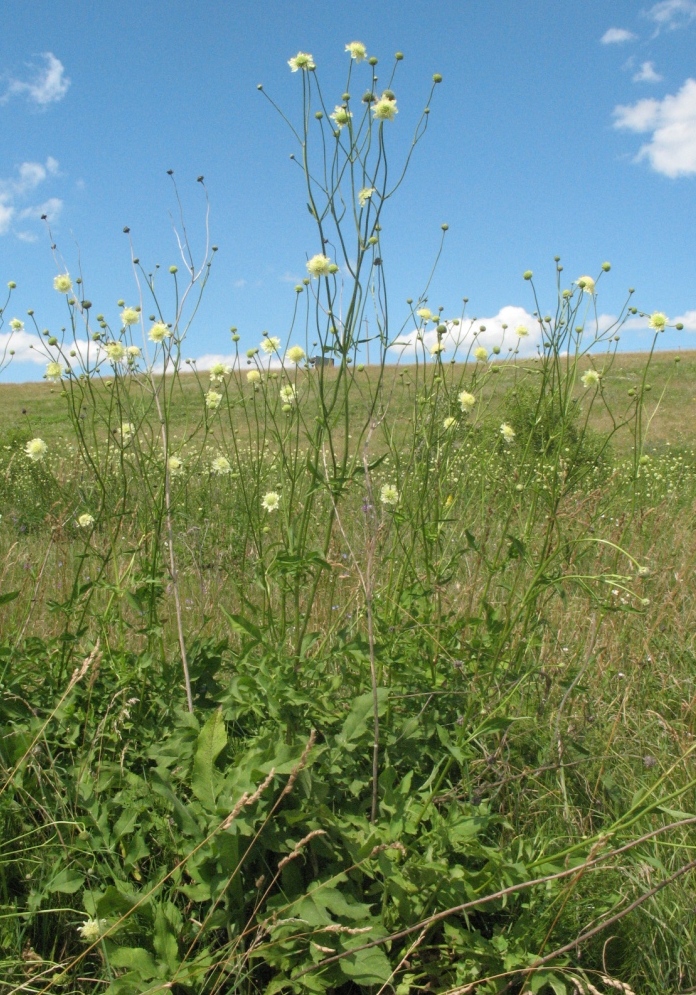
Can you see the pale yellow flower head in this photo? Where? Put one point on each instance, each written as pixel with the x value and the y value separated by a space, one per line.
pixel 481 354
pixel 175 465
pixel 341 116
pixel 92 929
pixel 116 351
pixel 437 348
pixel 158 332
pixel 54 371
pixel 389 494
pixel 658 321
pixel 62 283
pixel 130 316
pixel 85 521
pixel 127 431
pixel 288 394
pixel 303 61
pixel 319 265
pixel 449 422
pixel 133 351
pixel 357 50
pixel 36 449
pixel 270 344
pixel 385 109
pixel 364 195
pixel 508 433
pixel 591 378
pixel 522 331
pixel 212 400
pixel 271 501
pixel 466 401
pixel 253 376
pixel 218 371
pixel 425 313
pixel 295 354
pixel 16 325
pixel 221 465
pixel 587 284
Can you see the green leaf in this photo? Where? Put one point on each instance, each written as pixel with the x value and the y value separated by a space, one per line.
pixel 356 721
pixel 8 596
pixel 212 740
pixel 67 881
pixel 367 967
pixel 137 959
pixel 164 940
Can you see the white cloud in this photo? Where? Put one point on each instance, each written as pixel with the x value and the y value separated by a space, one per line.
pixel 616 36
pixel 672 121
pixel 460 339
pixel 51 208
pixel 688 320
pixel 647 74
pixel 673 14
pixel 29 176
pixel 47 85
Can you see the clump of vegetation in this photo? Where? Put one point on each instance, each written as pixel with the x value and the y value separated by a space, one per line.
pixel 334 678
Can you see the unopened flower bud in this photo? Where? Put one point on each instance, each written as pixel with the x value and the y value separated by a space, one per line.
pixel 606 267
pixel 399 56
pixel 12 285
pixel 318 115
pixel 527 274
pixel 372 60
pixel 173 269
pixel 437 78
pixel 445 227
pixel 53 340
pixel 679 327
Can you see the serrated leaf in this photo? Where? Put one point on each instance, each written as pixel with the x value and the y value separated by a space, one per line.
pixel 212 740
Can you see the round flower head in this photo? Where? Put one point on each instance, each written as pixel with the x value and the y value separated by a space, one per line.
pixel 212 400
pixel 357 50
pixel 16 325
pixel 303 61
pixel 385 109
pixel 85 521
pixel 319 265
pixel 591 378
pixel 174 465
pixel 508 433
pixel 389 494
pixel 91 929
pixel 36 449
pixel 62 283
pixel 129 316
pixel 218 371
pixel 288 394
pixel 449 422
pixel 270 344
pixel 522 331
pixel 133 351
pixel 54 371
pixel 424 313
pixel 658 321
pixel 587 284
pixel 127 431
pixel 364 195
pixel 295 354
pixel 437 348
pixel 481 354
pixel 158 332
pixel 116 351
pixel 220 465
pixel 466 401
pixel 271 501
pixel 253 376
pixel 341 116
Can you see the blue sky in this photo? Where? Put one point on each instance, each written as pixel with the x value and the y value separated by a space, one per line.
pixel 564 129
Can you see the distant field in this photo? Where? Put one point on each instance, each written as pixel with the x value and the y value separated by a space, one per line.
pixel 31 409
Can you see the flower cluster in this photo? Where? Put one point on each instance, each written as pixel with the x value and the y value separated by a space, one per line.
pixel 36 449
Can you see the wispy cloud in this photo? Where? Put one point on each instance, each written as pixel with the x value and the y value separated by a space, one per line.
pixel 16 190
pixel 673 14
pixel 647 74
pixel 47 84
pixel 671 149
pixel 688 320
pixel 461 338
pixel 616 36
